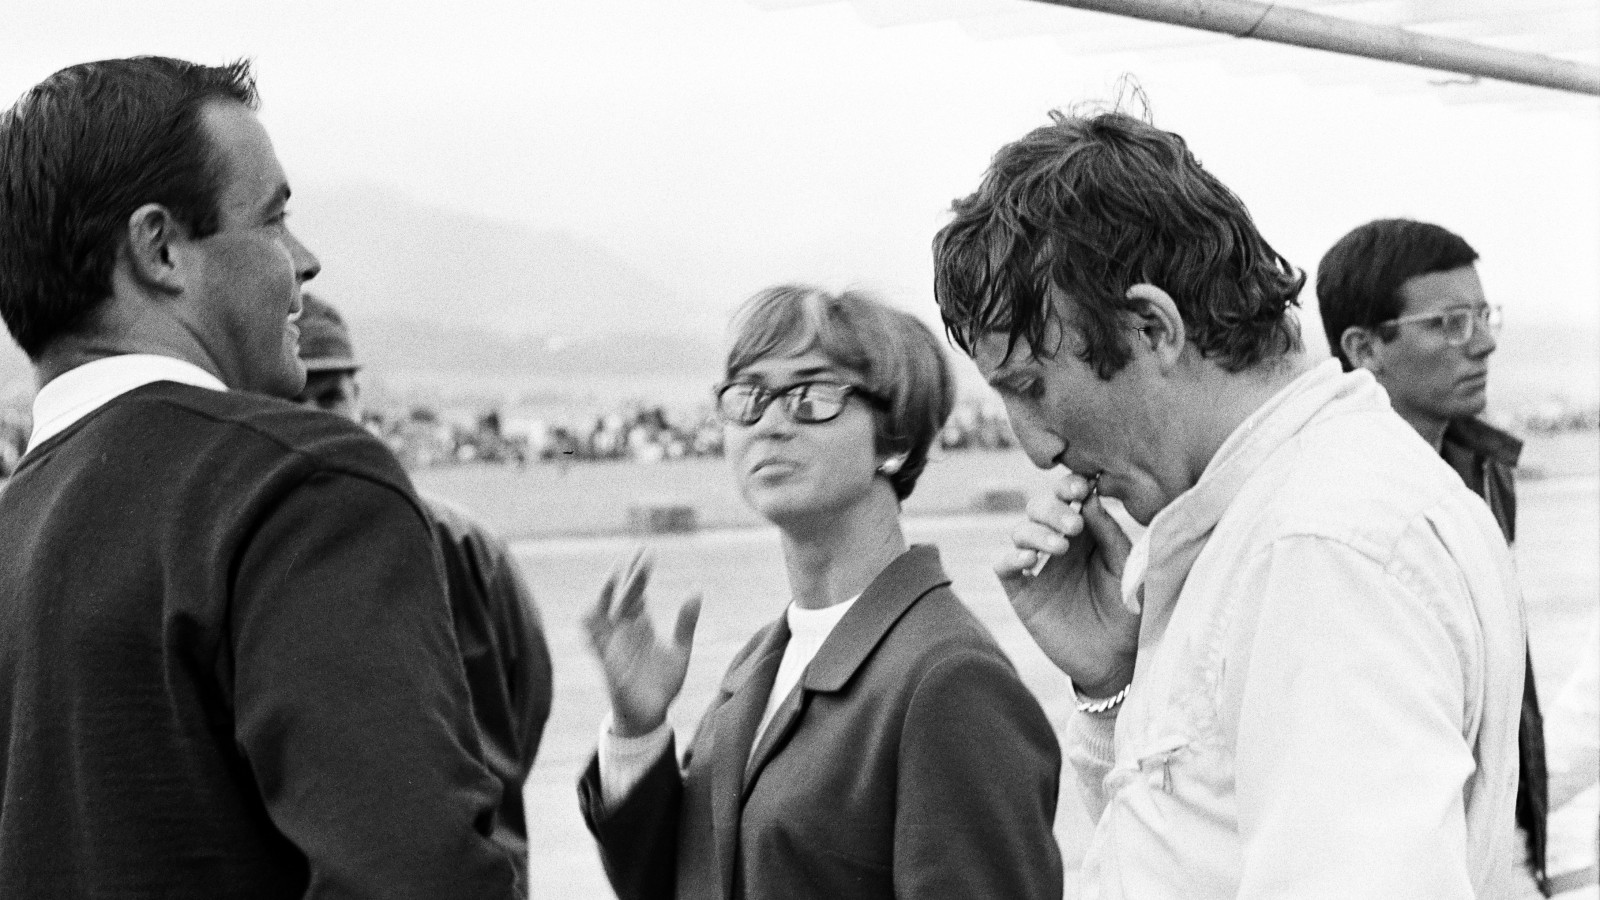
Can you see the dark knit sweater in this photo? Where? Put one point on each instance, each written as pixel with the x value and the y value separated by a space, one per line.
pixel 227 667
pixel 506 657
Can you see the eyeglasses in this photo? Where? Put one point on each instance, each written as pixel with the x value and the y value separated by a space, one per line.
pixel 807 403
pixel 1457 325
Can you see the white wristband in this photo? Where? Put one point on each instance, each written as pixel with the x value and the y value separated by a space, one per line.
pixel 1100 706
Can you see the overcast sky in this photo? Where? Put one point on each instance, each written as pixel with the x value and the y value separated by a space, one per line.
pixel 721 147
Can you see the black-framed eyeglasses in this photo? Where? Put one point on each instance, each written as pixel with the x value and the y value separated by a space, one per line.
pixel 805 402
pixel 1457 325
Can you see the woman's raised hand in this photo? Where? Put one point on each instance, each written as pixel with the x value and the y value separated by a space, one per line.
pixel 643 673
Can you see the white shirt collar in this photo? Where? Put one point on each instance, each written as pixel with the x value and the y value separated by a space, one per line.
pixel 78 392
pixel 1195 511
pixel 812 626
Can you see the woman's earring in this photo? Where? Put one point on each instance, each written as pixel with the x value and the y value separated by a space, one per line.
pixel 891 465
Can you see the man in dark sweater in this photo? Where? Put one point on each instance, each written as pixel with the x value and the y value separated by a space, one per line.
pixel 497 624
pixel 227 664
pixel 1403 300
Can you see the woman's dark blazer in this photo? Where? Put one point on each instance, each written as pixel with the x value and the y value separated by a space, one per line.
pixel 909 762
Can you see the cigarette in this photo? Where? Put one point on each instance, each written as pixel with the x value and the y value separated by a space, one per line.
pixel 1077 507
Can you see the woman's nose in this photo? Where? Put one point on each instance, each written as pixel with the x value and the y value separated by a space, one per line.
pixel 774 419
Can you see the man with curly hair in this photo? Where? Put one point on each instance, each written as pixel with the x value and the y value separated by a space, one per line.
pixel 1303 677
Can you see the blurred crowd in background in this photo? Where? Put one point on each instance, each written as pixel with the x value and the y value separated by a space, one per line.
pixel 424 436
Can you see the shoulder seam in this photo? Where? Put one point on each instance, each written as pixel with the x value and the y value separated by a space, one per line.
pixel 320 463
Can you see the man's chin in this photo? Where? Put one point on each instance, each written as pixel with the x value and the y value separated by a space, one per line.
pixel 1472 405
pixel 288 382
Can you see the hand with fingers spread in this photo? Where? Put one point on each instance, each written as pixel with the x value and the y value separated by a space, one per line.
pixel 1072 605
pixel 643 673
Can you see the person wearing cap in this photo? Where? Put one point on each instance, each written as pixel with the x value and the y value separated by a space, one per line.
pixel 503 649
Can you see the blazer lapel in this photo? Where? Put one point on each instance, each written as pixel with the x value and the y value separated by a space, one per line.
pixel 902 583
pixel 747 686
pixel 784 720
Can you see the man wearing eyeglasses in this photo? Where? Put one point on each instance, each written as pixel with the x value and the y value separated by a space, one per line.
pixel 1402 299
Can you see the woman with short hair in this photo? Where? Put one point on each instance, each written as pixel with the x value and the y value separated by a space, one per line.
pixel 873 741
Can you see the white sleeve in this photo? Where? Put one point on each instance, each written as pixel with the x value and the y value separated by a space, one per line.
pixel 1351 756
pixel 624 761
pixel 1090 747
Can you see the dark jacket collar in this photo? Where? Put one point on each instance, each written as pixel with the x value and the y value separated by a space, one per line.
pixel 747 685
pixel 769 640
pixel 911 575
pixel 1482 439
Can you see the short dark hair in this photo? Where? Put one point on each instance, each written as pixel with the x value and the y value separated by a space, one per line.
pixel 1091 205
pixel 897 358
pixel 82 150
pixel 1359 278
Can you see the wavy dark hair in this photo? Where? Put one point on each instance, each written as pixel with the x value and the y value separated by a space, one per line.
pixel 82 150
pixel 1089 206
pixel 897 358
pixel 1359 278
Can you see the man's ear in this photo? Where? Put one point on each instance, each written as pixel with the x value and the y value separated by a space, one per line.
pixel 1160 328
pixel 1360 346
pixel 151 252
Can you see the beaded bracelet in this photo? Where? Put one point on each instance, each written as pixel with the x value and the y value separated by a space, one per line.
pixel 1100 706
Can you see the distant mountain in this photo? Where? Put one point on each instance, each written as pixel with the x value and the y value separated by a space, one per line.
pixel 386 255
pixel 399 346
pixel 598 370
pixel 1533 365
pixel 435 294
pixel 468 305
